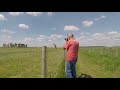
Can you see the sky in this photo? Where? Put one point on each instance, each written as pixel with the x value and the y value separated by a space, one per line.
pixel 45 28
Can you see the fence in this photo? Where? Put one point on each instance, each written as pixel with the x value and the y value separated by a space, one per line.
pixel 44 62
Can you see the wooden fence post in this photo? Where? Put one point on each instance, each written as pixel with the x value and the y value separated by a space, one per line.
pixel 44 62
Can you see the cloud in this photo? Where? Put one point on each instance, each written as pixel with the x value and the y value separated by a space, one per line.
pixel 43 36
pixel 112 32
pixel 28 39
pixel 100 36
pixel 23 26
pixel 82 33
pixel 80 38
pixel 117 35
pixel 15 13
pixel 40 38
pixel 113 35
pixel 7 31
pixel 71 28
pixel 6 37
pixel 117 39
pixel 99 18
pixel 49 40
pixel 53 29
pixel 2 17
pixel 55 36
pixel 34 13
pixel 97 34
pixel 9 37
pixel 87 23
pixel 50 13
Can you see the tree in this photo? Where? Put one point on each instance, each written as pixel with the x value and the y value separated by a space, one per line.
pixel 15 45
pixel 4 45
pixel 54 45
pixel 26 45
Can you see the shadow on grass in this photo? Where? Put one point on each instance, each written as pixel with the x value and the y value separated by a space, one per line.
pixel 85 76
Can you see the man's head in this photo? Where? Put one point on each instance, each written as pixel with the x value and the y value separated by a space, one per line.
pixel 70 36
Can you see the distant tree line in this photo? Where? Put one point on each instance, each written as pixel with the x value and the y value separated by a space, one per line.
pixel 11 45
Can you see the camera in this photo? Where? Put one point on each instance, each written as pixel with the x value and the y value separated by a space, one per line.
pixel 66 39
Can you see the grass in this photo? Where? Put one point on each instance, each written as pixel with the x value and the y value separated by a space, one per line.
pixel 99 65
pixel 26 62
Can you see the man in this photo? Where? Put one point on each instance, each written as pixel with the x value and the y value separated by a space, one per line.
pixel 72 47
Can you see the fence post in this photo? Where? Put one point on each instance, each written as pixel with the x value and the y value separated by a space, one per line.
pixel 44 62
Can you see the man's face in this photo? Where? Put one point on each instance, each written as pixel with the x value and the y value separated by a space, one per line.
pixel 68 37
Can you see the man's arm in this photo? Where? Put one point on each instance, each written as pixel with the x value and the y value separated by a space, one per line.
pixel 64 47
pixel 67 45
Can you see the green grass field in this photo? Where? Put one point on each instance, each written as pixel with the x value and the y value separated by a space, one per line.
pixel 26 62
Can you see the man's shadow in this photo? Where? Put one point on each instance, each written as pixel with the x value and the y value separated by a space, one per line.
pixel 85 76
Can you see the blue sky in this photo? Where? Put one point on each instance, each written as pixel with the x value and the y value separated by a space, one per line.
pixel 46 28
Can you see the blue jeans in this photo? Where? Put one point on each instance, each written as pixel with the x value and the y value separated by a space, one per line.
pixel 70 69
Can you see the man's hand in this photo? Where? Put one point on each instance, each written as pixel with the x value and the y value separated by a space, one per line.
pixel 66 39
pixel 64 48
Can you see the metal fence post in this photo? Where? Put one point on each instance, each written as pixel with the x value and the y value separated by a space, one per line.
pixel 44 62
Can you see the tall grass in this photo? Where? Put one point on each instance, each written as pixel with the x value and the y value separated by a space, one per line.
pixel 100 62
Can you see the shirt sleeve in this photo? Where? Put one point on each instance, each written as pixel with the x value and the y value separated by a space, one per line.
pixel 67 45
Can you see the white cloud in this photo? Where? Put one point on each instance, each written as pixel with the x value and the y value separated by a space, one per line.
pixel 34 13
pixel 2 17
pixel 117 39
pixel 7 31
pixel 38 41
pixel 28 39
pixel 9 37
pixel 70 28
pixel 40 38
pixel 107 38
pixel 99 18
pixel 55 36
pixel 15 13
pixel 80 38
pixel 53 29
pixel 49 40
pixel 90 39
pixel 82 33
pixel 117 35
pixel 87 23
pixel 5 37
pixel 23 26
pixel 112 32
pixel 50 13
pixel 43 36
pixel 100 36
pixel 97 34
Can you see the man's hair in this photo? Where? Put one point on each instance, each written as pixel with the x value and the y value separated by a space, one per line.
pixel 70 35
